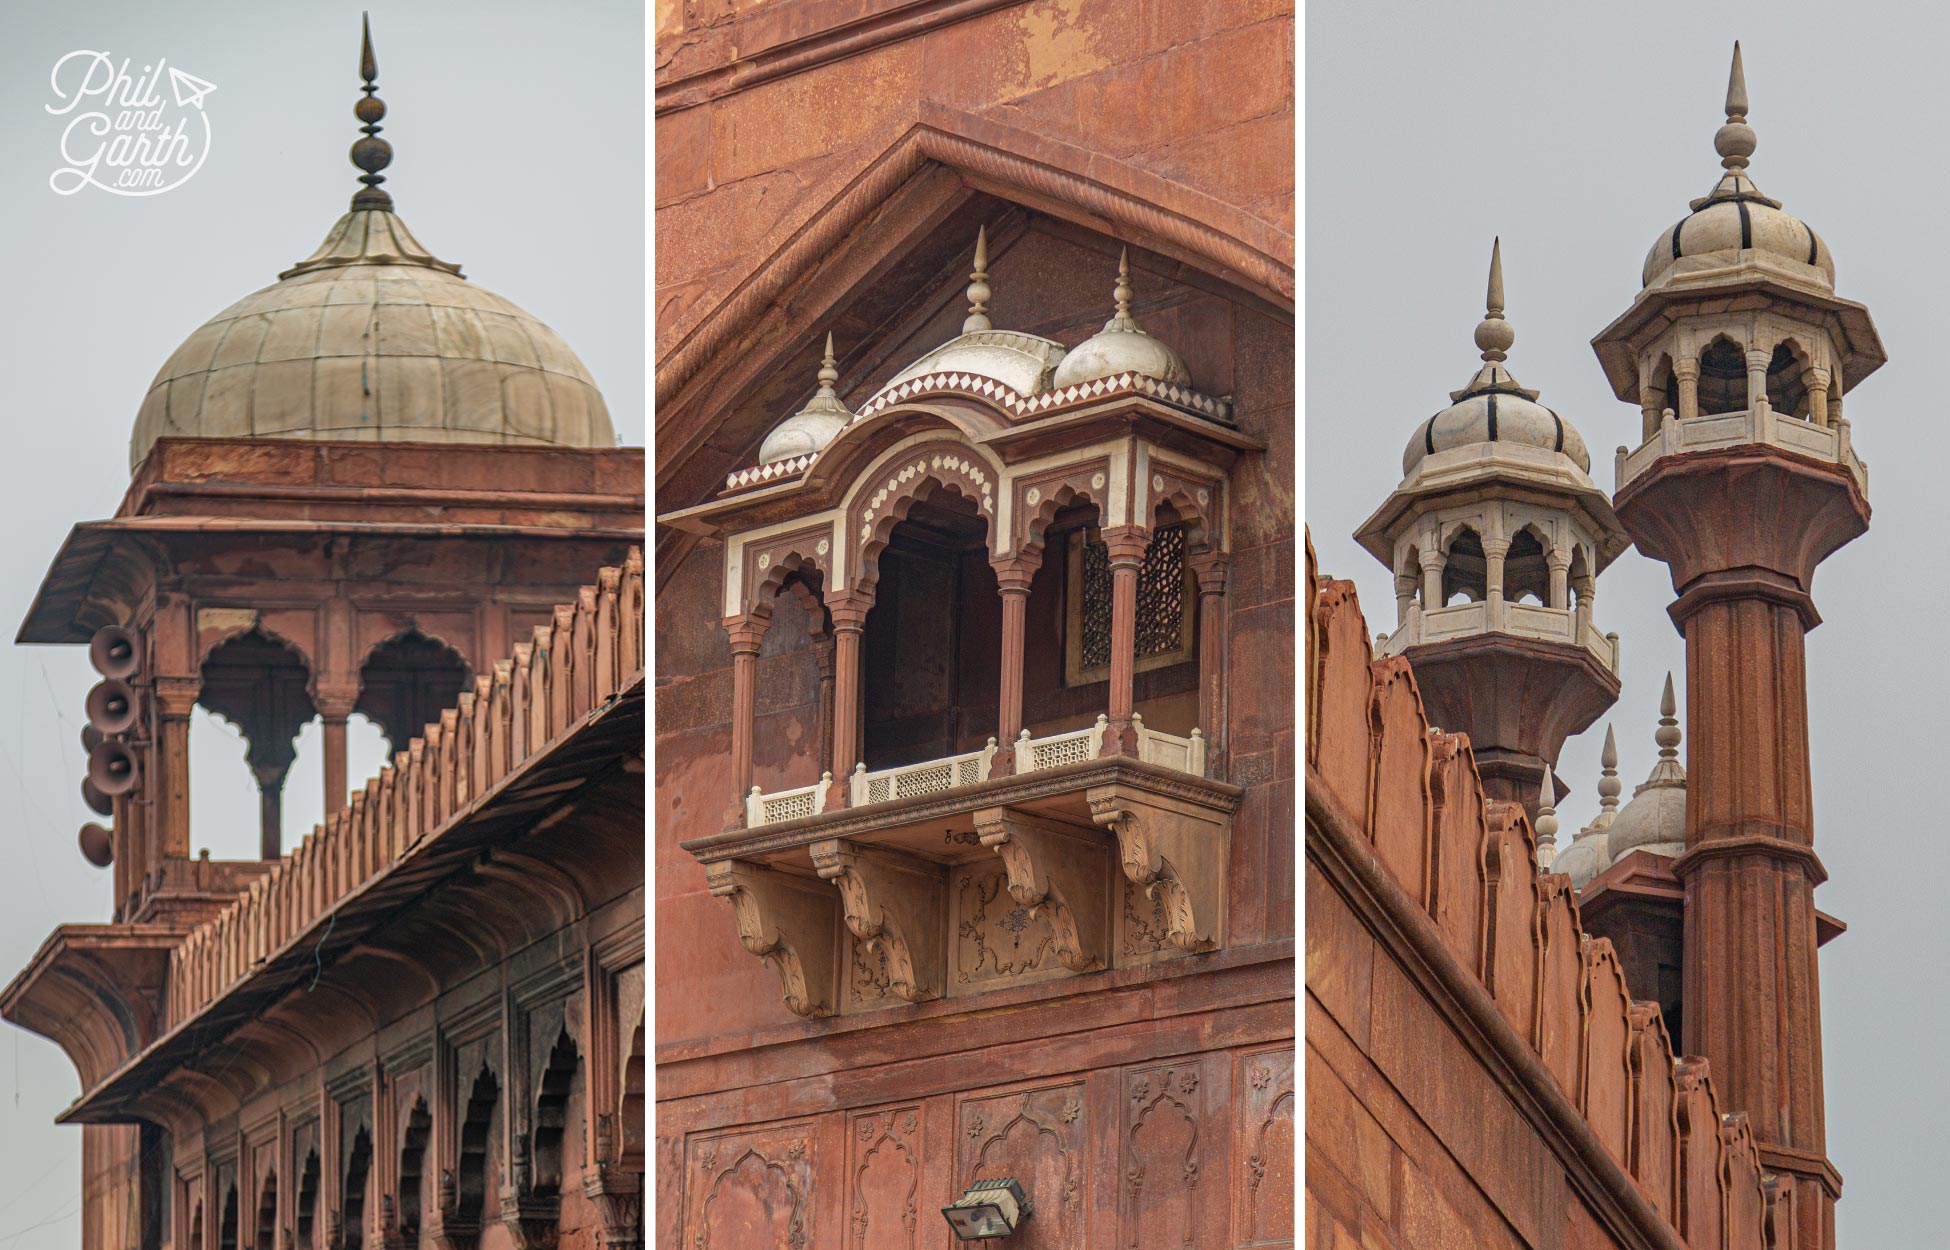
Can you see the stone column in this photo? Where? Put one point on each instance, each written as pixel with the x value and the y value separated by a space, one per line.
pixel 1494 551
pixel 1404 596
pixel 1559 564
pixel 175 700
pixel 1433 563
pixel 823 655
pixel 1742 530
pixel 1211 568
pixel 1125 544
pixel 1816 380
pixel 848 609
pixel 746 633
pixel 1687 371
pixel 1013 573
pixel 270 807
pixel 335 704
pixel 1757 362
pixel 1652 402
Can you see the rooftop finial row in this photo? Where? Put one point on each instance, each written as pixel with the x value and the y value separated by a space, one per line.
pixel 370 153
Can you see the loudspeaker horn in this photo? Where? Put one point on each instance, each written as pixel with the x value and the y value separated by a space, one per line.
pixel 90 736
pixel 97 802
pixel 112 767
pixel 115 652
pixel 97 845
pixel 111 706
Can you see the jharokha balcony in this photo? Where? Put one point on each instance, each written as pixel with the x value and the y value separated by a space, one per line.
pixel 978 637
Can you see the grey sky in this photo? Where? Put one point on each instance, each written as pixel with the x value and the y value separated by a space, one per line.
pixel 519 137
pixel 1578 133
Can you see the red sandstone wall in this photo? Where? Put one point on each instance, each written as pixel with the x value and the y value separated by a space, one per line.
pixel 1457 1019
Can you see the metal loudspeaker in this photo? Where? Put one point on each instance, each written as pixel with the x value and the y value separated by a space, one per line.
pixel 115 652
pixel 97 802
pixel 97 845
pixel 90 738
pixel 111 707
pixel 112 768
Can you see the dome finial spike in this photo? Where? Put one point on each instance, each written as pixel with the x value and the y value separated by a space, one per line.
pixel 1668 733
pixel 1546 824
pixel 978 286
pixel 1123 292
pixel 370 153
pixel 1494 335
pixel 828 370
pixel 1608 783
pixel 1735 141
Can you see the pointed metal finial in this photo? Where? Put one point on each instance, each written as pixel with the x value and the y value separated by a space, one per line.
pixel 978 286
pixel 1546 825
pixel 1494 335
pixel 1667 735
pixel 1736 141
pixel 828 370
pixel 370 153
pixel 1608 783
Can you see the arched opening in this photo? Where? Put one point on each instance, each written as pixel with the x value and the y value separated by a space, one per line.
pixel 552 1115
pixel 1787 388
pixel 1466 574
pixel 227 1230
pixel 931 653
pixel 475 1130
pixel 267 1212
pixel 1526 569
pixel 306 1227
pixel 632 1108
pixel 794 746
pixel 358 1173
pixel 1665 392
pixel 406 683
pixel 412 1168
pixel 1722 377
pixel 258 684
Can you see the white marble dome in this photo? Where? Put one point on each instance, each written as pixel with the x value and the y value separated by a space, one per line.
pixel 1655 819
pixel 1740 222
pixel 373 338
pixel 1490 414
pixel 1586 857
pixel 1121 346
pixel 1024 363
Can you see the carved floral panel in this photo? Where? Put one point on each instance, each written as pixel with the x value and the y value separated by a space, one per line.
pixel 997 940
pixel 1262 1150
pixel 1041 1137
pixel 883 1179
pixel 1160 1156
pixel 750 1190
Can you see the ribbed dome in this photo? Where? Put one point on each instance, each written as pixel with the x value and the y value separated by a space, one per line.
pixel 808 430
pixel 1121 347
pixel 372 337
pixel 1590 852
pixel 1735 216
pixel 1492 408
pixel 1022 362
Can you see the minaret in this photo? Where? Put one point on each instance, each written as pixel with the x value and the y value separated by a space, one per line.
pixel 1497 535
pixel 1737 353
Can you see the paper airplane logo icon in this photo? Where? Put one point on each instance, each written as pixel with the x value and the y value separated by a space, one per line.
pixel 190 89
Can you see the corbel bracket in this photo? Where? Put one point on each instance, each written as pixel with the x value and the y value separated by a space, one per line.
pixel 1177 851
pixel 895 903
pixel 787 921
pixel 1056 871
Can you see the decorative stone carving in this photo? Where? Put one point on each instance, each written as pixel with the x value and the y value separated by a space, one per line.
pixel 1177 851
pixel 894 902
pixel 533 1220
pixel 1057 872
pixel 788 922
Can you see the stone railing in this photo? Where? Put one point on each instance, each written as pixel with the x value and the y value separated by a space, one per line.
pixel 1410 800
pixel 1522 620
pixel 928 776
pixel 1187 755
pixel 770 809
pixel 594 649
pixel 1760 424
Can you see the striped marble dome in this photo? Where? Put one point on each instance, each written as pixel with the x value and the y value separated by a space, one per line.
pixel 374 338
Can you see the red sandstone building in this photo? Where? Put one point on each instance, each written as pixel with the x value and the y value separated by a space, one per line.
pixel 370 487
pixel 1618 1044
pixel 973 780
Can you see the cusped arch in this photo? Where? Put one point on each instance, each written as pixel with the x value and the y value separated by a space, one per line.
pixel 882 498
pixel 1040 504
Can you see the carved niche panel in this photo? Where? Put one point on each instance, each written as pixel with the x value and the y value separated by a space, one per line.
pixel 1263 1179
pixel 883 1178
pixel 1160 1156
pixel 1042 1138
pixel 997 939
pixel 745 1190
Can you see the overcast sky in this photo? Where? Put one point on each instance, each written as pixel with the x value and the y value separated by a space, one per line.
pixel 1579 133
pixel 518 131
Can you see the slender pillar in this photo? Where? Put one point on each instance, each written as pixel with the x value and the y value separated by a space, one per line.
pixel 823 650
pixel 335 704
pixel 1013 573
pixel 1125 544
pixel 175 699
pixel 746 634
pixel 1432 565
pixel 1652 402
pixel 1816 380
pixel 848 608
pixel 1757 362
pixel 1559 564
pixel 270 808
pixel 1211 568
pixel 1687 371
pixel 1743 530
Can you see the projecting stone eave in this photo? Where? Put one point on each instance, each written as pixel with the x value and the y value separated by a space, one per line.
pixel 1489 470
pixel 1726 277
pixel 94 990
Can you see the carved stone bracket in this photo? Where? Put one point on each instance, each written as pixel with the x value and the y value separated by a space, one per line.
pixel 787 921
pixel 1177 851
pixel 448 1229
pixel 533 1221
pixel 618 1197
pixel 1055 871
pixel 894 902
